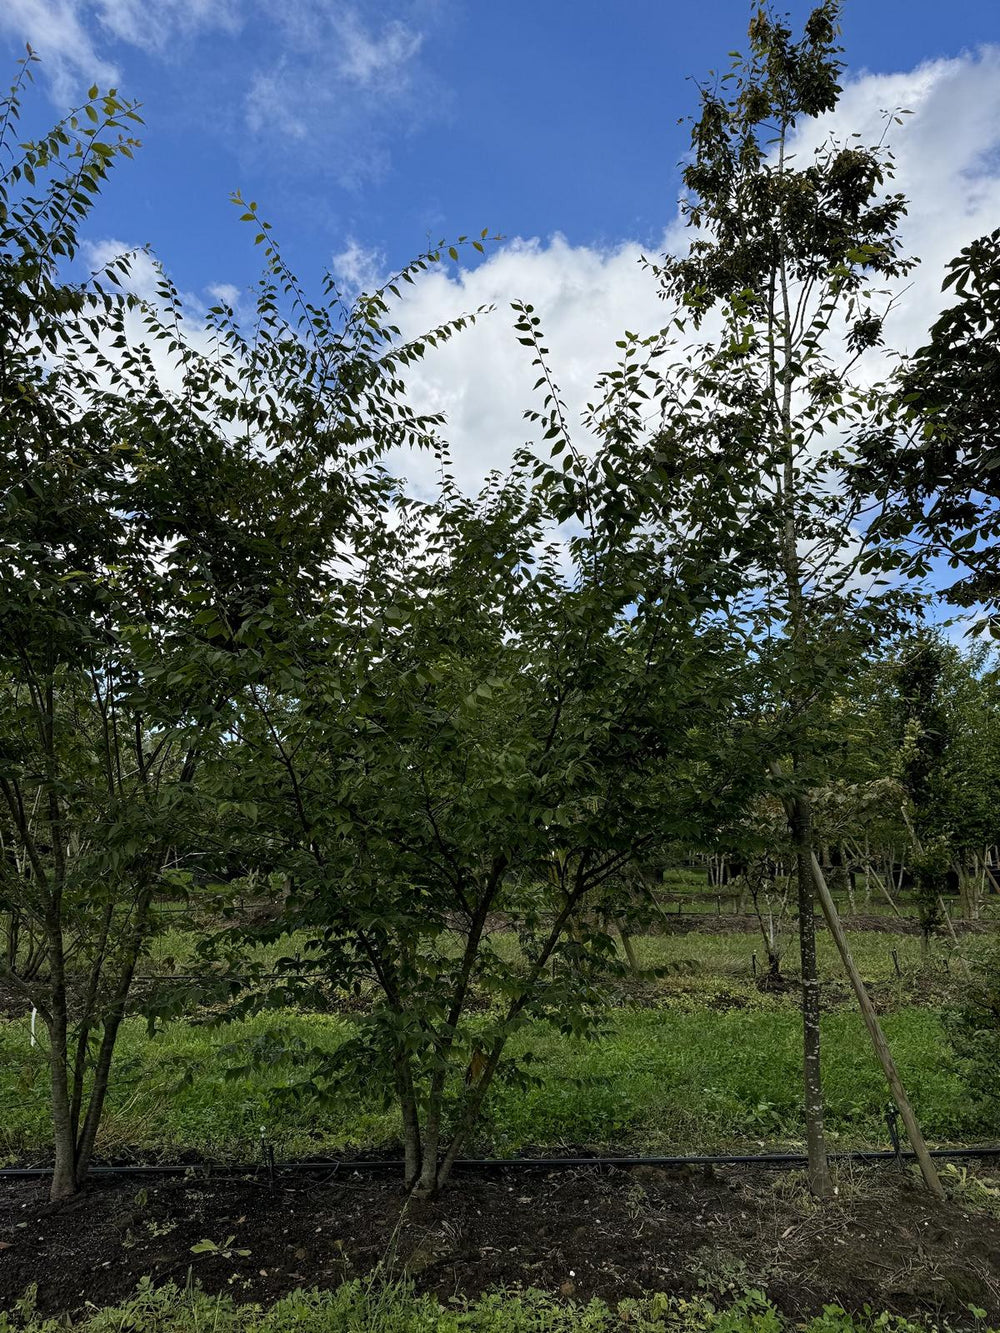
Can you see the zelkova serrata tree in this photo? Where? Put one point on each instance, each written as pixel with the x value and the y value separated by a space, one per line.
pixel 491 727
pixel 787 250
pixel 161 509
pixel 85 790
pixel 933 464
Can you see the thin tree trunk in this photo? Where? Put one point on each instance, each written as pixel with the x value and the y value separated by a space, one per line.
pixel 954 938
pixel 848 878
pixel 427 1182
pixel 819 1171
pixel 629 949
pixel 879 1042
pixel 411 1120
pixel 112 1022
pixel 482 1085
pixel 98 1095
pixel 63 1184
pixel 872 873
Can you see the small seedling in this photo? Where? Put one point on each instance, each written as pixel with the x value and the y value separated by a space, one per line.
pixel 223 1248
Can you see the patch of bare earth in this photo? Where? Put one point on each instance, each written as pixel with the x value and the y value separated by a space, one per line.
pixel 883 1242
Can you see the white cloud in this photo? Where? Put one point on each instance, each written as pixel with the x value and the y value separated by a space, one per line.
pixel 375 60
pixel 343 82
pixel 58 31
pixel 339 79
pixel 948 161
pixel 143 279
pixel 224 293
pixel 71 36
pixel 268 107
pixel 358 268
pixel 947 164
pixel 152 27
pixel 483 379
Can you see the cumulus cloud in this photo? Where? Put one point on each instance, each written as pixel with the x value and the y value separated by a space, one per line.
pixel 482 380
pixel 948 164
pixel 224 293
pixel 358 268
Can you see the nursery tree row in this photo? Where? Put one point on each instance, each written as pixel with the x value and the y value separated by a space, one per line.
pixel 235 647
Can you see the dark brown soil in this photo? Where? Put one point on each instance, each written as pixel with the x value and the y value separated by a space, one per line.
pixel 882 1242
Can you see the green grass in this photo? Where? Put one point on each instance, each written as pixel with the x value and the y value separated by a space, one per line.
pixel 732 953
pixel 686 1077
pixel 393 1307
pixel 170 1093
pixel 725 955
pixel 695 1078
pixel 714 1064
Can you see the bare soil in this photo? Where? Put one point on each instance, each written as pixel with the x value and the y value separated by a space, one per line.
pixel 883 1242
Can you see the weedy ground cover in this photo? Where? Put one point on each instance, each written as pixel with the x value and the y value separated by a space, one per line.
pixel 699 1072
pixel 393 1307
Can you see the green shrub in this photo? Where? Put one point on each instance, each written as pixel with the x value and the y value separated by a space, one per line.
pixel 973 1027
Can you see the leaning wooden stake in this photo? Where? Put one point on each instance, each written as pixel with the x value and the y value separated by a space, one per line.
pixel 954 938
pixel 927 1169
pixel 870 870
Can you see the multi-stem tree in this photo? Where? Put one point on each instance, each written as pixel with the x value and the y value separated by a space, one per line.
pixel 484 734
pixel 167 499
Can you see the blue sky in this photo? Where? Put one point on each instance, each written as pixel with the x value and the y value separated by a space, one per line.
pixel 364 129
pixel 386 123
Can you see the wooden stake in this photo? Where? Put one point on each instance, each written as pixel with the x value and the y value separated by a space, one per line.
pixel 870 870
pixel 927 1169
pixel 954 937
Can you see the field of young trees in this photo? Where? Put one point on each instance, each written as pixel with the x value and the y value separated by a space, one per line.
pixel 645 804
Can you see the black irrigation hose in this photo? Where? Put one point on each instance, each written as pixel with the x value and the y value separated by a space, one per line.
pixel 502 1163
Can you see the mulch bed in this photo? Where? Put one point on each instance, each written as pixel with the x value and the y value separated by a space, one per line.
pixel 580 1233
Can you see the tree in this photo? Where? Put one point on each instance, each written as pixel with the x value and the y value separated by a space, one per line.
pixel 786 252
pixel 486 731
pixel 933 465
pixel 161 512
pixel 83 786
pixel 925 763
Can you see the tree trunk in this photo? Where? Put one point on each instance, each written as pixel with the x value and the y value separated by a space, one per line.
pixel 411 1120
pixel 629 949
pixel 819 1171
pixel 98 1094
pixel 63 1184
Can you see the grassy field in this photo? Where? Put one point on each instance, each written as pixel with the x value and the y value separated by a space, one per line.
pixel 716 955
pixel 705 1062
